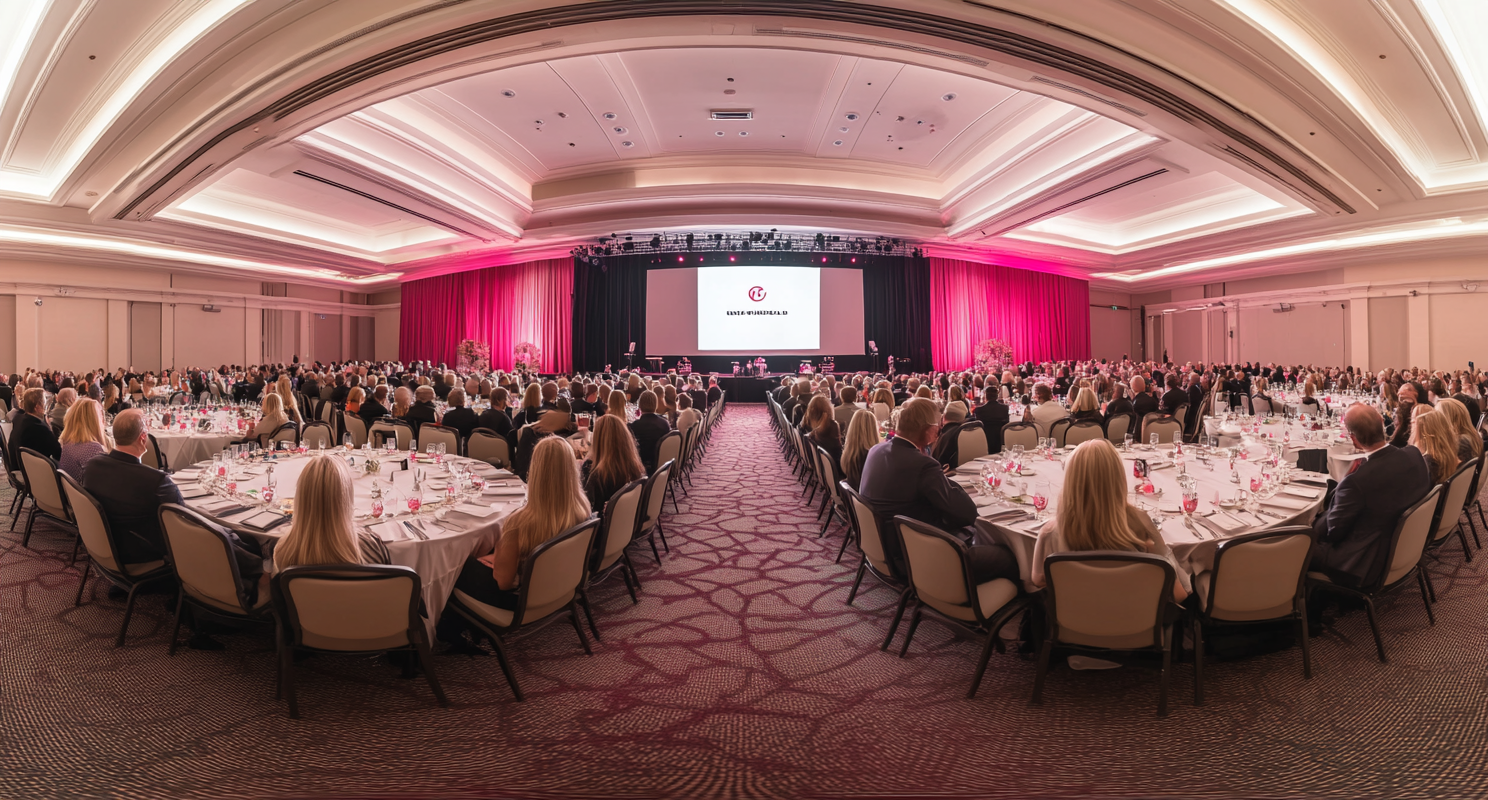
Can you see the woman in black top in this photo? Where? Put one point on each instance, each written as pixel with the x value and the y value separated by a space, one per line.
pixel 613 461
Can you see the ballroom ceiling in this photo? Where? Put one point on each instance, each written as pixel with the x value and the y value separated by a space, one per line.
pixel 1141 143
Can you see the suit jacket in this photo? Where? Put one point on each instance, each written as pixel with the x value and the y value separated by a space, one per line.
pixel 131 495
pixel 714 395
pixel 1120 405
pixel 1353 534
pixel 648 430
pixel 461 419
pixel 497 421
pixel 899 479
pixel 36 434
pixel 844 414
pixel 1172 399
pixel 371 411
pixel 418 414
pixel 1144 404
pixel 993 416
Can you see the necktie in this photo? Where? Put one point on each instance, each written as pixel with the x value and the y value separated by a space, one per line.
pixel 1355 467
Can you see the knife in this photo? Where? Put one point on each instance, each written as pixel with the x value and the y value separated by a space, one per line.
pixel 417 534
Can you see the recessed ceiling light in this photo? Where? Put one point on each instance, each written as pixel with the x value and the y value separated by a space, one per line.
pixel 843 129
pixel 948 97
pixel 730 91
pixel 620 130
pixel 852 116
pixel 91 194
pixel 743 133
pixel 718 133
pixel 537 122
pixel 627 144
pixel 508 93
pixel 837 143
pixel 609 115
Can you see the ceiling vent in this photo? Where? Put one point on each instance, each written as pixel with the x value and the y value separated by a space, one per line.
pixel 732 114
pixel 1282 308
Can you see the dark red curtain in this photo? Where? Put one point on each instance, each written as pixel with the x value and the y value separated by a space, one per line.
pixel 502 306
pixel 1042 316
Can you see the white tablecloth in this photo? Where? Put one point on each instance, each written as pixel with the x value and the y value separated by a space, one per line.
pixel 182 448
pixel 1194 552
pixel 1341 455
pixel 438 561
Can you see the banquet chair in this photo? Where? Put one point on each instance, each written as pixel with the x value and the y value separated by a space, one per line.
pixel 550 584
pixel 1246 404
pixel 153 457
pixel 4 408
pixel 971 442
pixel 1081 431
pixel 940 571
pixel 1448 517
pixel 317 435
pixel 17 479
pixel 617 527
pixel 1058 429
pixel 488 446
pixel 1260 406
pixel 430 433
pixel 288 432
pixel 1016 433
pixel 1406 552
pixel 689 459
pixel 1181 415
pixel 47 499
pixel 1107 600
pixel 670 449
pixel 1472 500
pixel 870 530
pixel 1162 425
pixel 349 608
pixel 1310 406
pixel 650 524
pixel 398 430
pixel 882 412
pixel 100 543
pixel 356 426
pixel 1256 578
pixel 326 412
pixel 1119 425
pixel 207 570
pixel 832 502
pixel 180 398
pixel 214 390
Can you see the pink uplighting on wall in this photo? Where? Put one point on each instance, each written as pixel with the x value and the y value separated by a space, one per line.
pixel 1041 315
pixel 529 302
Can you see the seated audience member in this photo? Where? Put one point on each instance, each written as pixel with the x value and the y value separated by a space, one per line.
pixel 1094 515
pixel 1436 440
pixel 551 423
pixel 354 400
pixel 1404 411
pixel 862 436
pixel 613 461
pixel 947 444
pixel 899 478
pixel 131 493
pixel 615 405
pixel 883 404
pixel 58 415
pixel 822 429
pixel 555 503
pixel 322 533
pixel 1353 534
pixel 714 393
pixel 531 410
pixel 648 429
pixel 849 407
pixel 32 430
pixel 1175 396
pixel 286 394
pixel 113 400
pixel 402 400
pixel 423 409
pixel 1142 402
pixel 82 438
pixel 374 408
pixel 1046 410
pixel 993 414
pixel 1086 407
pixel 273 418
pixel 1469 439
pixel 497 418
pixel 462 419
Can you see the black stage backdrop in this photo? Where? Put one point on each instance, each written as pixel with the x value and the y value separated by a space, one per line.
pixel 609 309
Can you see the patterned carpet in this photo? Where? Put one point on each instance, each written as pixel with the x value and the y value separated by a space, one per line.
pixel 741 673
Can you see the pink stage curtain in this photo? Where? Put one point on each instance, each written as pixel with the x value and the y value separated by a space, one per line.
pixel 1042 316
pixel 503 306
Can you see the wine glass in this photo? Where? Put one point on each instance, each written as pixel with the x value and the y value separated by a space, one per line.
pixel 440 451
pixel 1190 500
pixel 377 507
pixel 347 442
pixel 414 503
pixel 1040 498
pixel 1128 443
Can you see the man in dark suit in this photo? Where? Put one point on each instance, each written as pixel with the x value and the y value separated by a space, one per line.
pixel 462 419
pixel 1175 396
pixel 1353 534
pixel 130 492
pixel 781 392
pixel 900 479
pixel 497 418
pixel 993 415
pixel 1142 402
pixel 422 409
pixel 1195 395
pixel 1474 410
pixel 714 393
pixel 374 407
pixel 32 429
pixel 648 430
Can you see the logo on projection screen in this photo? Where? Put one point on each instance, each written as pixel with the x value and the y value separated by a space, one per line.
pixel 757 293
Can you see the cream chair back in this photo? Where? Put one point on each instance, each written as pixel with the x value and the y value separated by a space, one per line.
pixel 1257 576
pixel 202 558
pixel 91 523
pixel 971 443
pixel 46 487
pixel 352 611
pixel 437 435
pixel 936 571
pixel 1414 531
pixel 620 518
pixel 554 572
pixel 485 445
pixel 1108 599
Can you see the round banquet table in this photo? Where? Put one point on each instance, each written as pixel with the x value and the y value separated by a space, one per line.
pixel 437 559
pixel 1340 449
pixel 188 447
pixel 1193 549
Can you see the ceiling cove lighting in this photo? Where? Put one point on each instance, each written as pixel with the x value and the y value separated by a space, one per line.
pixel 1437 229
pixel 1449 19
pixel 25 236
pixel 180 37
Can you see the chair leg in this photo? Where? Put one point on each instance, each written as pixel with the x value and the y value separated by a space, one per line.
pixel 1466 551
pixel 636 576
pixel 82 582
pixel 78 543
pixel 673 494
pixel 1430 587
pixel 176 629
pixel 511 678
pixel 1379 643
pixel 573 616
pixel 981 668
pixel 898 616
pixel 1041 671
pixel 1306 636
pixel 857 581
pixel 286 669
pixel 1425 597
pixel 30 522
pixel 128 612
pixel 662 533
pixel 846 537
pixel 1478 543
pixel 826 524
pixel 588 614
pixel 629 587
pixel 1198 650
pixel 427 662
pixel 1162 680
pixel 914 622
pixel 655 552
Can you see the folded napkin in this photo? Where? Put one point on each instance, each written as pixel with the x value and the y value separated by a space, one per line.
pixel 475 510
pixel 1289 503
pixel 390 531
pixel 1298 491
pixel 187 474
pixel 1312 480
pixel 1226 523
pixel 192 493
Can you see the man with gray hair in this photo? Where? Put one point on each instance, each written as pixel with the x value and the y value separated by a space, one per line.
pixel 130 492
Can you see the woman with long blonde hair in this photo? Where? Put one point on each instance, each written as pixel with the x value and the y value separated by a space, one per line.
pixel 531 410
pixel 1094 515
pixel 286 394
pixel 1434 436
pixel 862 435
pixel 615 406
pixel 613 461
pixel 321 531
pixel 82 438
pixel 273 418
pixel 555 503
pixel 1469 440
pixel 402 400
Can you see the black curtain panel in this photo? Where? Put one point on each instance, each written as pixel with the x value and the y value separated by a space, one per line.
pixel 609 308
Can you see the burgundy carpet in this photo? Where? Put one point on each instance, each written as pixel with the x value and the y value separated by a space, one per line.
pixel 741 673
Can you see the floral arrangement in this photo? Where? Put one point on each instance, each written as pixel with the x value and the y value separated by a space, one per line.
pixel 993 355
pixel 474 356
pixel 526 355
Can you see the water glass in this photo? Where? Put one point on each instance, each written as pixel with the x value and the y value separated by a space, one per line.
pixel 1152 439
pixel 440 451
pixel 1128 443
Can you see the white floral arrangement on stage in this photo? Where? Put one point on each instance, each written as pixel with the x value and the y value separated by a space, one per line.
pixel 527 355
pixel 474 356
pixel 993 355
